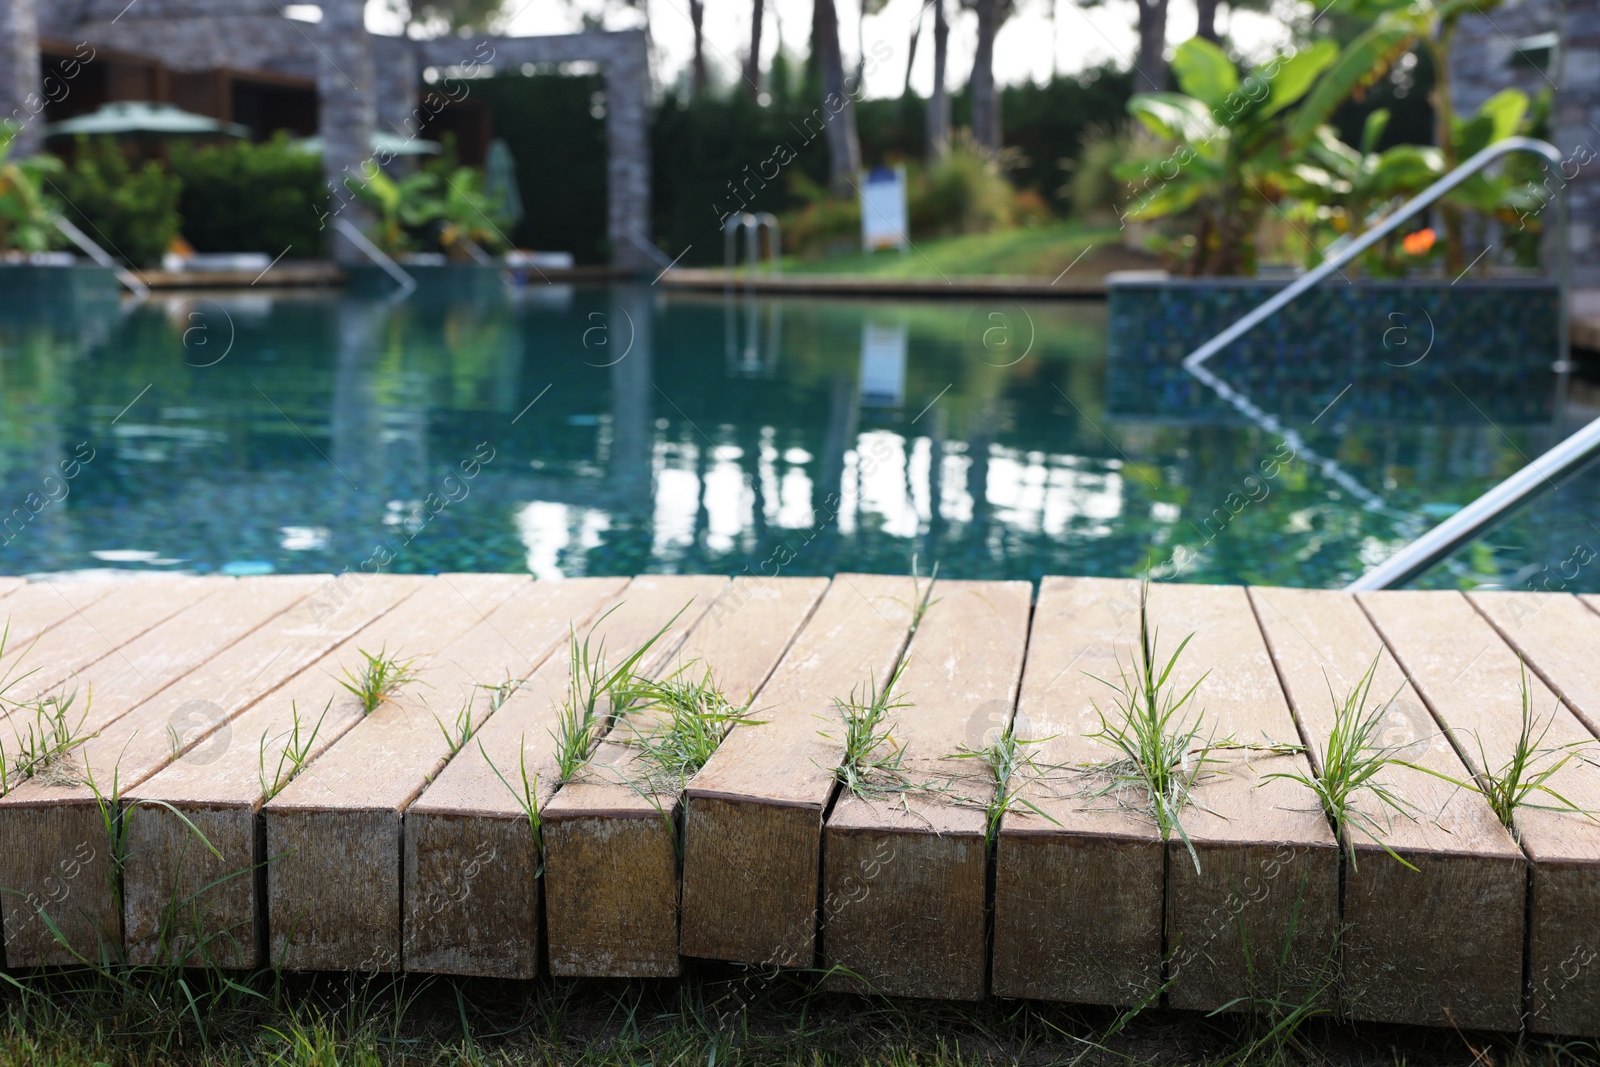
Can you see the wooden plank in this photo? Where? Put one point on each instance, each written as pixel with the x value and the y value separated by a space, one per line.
pixel 471 883
pixel 334 835
pixel 753 815
pixel 9 586
pixel 96 624
pixel 263 683
pixel 33 608
pixel 905 876
pixel 130 733
pixel 611 864
pixel 1078 890
pixel 1260 918
pixel 1440 945
pixel 1087 906
pixel 1470 680
pixel 1556 635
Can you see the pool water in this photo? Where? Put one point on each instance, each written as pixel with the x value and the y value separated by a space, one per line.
pixel 599 431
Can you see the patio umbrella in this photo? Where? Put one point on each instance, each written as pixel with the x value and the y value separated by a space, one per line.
pixel 391 143
pixel 142 118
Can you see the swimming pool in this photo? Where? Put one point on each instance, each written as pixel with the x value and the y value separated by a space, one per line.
pixel 597 430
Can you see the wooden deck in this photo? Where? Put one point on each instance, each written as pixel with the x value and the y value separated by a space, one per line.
pixel 336 838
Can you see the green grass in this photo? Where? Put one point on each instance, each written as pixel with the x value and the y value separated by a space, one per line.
pixel 1005 760
pixel 1161 751
pixel 870 765
pixel 1039 252
pixel 378 679
pixel 694 718
pixel 596 694
pixel 296 750
pixel 1351 766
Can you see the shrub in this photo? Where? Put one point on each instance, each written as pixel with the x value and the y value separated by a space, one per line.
pixel 282 186
pixel 134 213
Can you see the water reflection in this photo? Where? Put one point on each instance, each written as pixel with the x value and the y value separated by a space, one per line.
pixel 614 431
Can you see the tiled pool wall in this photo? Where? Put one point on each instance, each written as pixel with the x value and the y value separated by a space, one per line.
pixel 1409 350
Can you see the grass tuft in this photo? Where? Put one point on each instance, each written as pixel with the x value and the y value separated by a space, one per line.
pixel 378 679
pixel 697 717
pixel 871 762
pixel 44 731
pixel 596 694
pixel 527 797
pixel 1005 759
pixel 1162 751
pixel 296 750
pixel 1351 764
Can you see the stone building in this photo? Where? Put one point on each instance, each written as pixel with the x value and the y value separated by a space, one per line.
pixel 319 71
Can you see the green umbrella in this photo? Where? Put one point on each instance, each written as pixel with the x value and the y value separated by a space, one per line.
pixel 391 143
pixel 140 117
pixel 500 181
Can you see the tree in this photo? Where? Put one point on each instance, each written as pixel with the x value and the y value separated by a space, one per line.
pixel 697 15
pixel 752 62
pixel 985 97
pixel 1150 73
pixel 837 114
pixel 939 99
pixel 440 17
pixel 1206 26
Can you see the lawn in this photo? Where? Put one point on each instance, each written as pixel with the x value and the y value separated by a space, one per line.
pixel 1042 252
pixel 715 1015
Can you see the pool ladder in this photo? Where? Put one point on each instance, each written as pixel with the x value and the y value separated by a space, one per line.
pixel 1540 475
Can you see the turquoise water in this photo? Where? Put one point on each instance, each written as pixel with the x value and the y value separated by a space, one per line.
pixel 615 431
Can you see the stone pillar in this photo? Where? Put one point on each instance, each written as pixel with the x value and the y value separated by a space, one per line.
pixel 1575 120
pixel 628 141
pixel 346 110
pixel 21 106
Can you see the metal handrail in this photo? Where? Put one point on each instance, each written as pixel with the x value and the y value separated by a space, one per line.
pixel 352 232
pixel 1571 455
pixel 752 224
pixel 102 257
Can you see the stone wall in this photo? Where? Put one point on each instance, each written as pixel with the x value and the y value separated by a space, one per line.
pixel 363 81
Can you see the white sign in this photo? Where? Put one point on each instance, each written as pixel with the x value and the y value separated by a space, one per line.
pixel 883 209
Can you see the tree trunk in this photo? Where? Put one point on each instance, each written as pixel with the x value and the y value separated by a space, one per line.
pixel 1206 28
pixel 838 116
pixel 1455 254
pixel 939 99
pixel 1151 73
pixel 752 63
pixel 985 101
pixel 911 53
pixel 697 15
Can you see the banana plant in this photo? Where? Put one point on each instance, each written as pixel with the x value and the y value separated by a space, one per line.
pixel 467 215
pixel 407 204
pixel 27 217
pixel 1234 148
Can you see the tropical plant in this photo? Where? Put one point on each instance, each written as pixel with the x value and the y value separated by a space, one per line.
pixel 467 215
pixel 282 183
pixel 1234 145
pixel 132 212
pixel 26 211
pixel 401 206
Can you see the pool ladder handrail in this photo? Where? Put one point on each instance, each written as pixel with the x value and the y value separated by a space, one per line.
pixel 1539 475
pixel 752 223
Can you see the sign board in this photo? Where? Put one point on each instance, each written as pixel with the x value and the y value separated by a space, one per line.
pixel 883 209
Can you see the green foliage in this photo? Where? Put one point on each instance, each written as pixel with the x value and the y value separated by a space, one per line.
pixel 379 677
pixel 296 750
pixel 1161 751
pixel 26 208
pixel 133 213
pixel 695 717
pixel 401 206
pixel 430 206
pixel 870 765
pixel 596 694
pixel 1351 765
pixel 282 185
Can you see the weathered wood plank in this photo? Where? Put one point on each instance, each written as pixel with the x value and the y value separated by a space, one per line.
pixel 472 885
pixel 130 731
pixel 1260 918
pixel 33 607
pixel 96 624
pixel 263 683
pixel 610 839
pixel 333 834
pixel 753 815
pixel 1078 889
pixel 905 874
pixel 1440 945
pixel 1557 635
